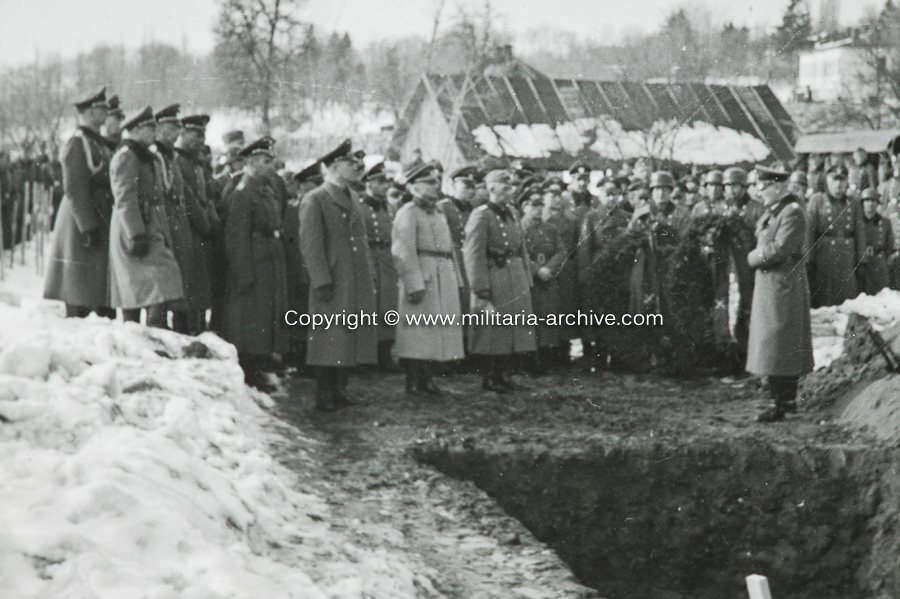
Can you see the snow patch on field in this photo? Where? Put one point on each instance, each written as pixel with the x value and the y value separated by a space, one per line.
pixel 132 467
pixel 830 323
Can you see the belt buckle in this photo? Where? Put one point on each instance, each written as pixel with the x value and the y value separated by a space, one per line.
pixel 276 234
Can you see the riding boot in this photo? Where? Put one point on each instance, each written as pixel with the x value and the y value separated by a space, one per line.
pixel 325 381
pixel 341 376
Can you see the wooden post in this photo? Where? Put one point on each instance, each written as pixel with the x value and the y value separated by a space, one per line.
pixel 758 587
pixel 12 232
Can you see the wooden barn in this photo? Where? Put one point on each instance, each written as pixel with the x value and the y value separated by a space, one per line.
pixel 549 123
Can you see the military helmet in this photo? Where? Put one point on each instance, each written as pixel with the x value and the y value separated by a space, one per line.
pixel 798 177
pixel 735 176
pixel 713 177
pixel 662 179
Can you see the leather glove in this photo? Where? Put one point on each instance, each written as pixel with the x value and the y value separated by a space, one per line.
pixel 92 238
pixel 416 297
pixel 484 294
pixel 324 293
pixel 140 246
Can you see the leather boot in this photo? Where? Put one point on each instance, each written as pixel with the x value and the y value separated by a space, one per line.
pixel 425 382
pixel 341 399
pixel 325 389
pixel 489 381
pixel 412 377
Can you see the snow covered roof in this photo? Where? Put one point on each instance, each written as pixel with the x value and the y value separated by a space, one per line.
pixel 871 140
pixel 553 121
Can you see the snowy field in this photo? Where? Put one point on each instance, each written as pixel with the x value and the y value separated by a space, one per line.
pixel 134 463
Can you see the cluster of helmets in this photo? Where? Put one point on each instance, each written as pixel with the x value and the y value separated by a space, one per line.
pixel 732 176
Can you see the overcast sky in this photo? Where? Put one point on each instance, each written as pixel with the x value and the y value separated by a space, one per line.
pixel 30 28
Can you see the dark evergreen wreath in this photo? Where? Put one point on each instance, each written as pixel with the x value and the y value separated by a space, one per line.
pixel 686 344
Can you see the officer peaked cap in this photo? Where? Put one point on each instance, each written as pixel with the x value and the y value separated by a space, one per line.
pixel 376 172
pixel 169 114
pixel 422 173
pixel 263 146
pixel 95 100
pixel 342 150
pixel 143 116
pixel 772 173
pixel 113 104
pixel 310 174
pixel 197 122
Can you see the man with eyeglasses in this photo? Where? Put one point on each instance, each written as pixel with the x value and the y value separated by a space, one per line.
pixel 143 271
pixel 837 234
pixel 499 274
pixel 334 246
pixel 780 340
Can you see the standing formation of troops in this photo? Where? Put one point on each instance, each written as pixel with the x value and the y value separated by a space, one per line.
pixel 148 225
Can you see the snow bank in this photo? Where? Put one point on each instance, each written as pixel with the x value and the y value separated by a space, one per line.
pixel 698 142
pixel 130 469
pixel 829 324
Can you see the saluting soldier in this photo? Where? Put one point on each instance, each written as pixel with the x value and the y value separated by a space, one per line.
pixel 838 237
pixel 202 220
pixel 548 252
pixel 780 342
pixel 379 217
pixel 335 250
pixel 499 273
pixel 430 282
pixel 879 244
pixel 256 289
pixel 168 127
pixel 143 272
pixel 77 272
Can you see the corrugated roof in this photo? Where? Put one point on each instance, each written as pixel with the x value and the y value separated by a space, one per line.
pixel 469 102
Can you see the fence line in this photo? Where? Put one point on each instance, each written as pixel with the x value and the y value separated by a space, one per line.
pixel 28 220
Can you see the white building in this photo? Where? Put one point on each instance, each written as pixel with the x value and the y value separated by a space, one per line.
pixel 835 71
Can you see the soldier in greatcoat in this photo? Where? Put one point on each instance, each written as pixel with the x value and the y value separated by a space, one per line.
pixel 879 244
pixel 430 282
pixel 334 246
pixel 143 272
pixel 168 127
pixel 780 343
pixel 256 288
pixel 499 274
pixel 203 221
pixel 567 223
pixel 379 217
pixel 77 271
pixel 112 127
pixel 548 252
pixel 837 236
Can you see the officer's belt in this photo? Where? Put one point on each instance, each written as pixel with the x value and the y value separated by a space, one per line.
pixel 379 245
pixel 435 254
pixel 837 235
pixel 273 234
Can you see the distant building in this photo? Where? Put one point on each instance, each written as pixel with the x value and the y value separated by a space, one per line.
pixel 835 71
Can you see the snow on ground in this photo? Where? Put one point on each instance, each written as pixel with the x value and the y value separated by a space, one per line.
pixel 829 324
pixel 698 142
pixel 134 463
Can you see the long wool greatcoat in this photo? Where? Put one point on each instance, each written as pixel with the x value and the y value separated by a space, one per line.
pixel 256 288
pixel 136 282
pixel 780 341
pixel 179 227
pixel 75 274
pixel 334 246
pixel 496 260
pixel 838 237
pixel 379 218
pixel 546 248
pixel 880 247
pixel 417 235
pixel 201 215
pixel 457 214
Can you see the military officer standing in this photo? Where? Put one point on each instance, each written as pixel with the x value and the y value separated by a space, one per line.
pixel 168 127
pixel 143 272
pixel 112 127
pixel 780 343
pixel 499 274
pixel 335 250
pixel 77 271
pixel 582 200
pixel 379 217
pixel 256 289
pixel 879 244
pixel 737 200
pixel 430 282
pixel 713 194
pixel 837 235
pixel 202 220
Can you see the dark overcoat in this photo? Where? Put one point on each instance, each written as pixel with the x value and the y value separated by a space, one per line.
pixel 880 249
pixel 837 236
pixel 547 248
pixel 76 274
pixel 334 246
pixel 201 217
pixel 496 260
pixel 179 227
pixel 379 217
pixel 780 342
pixel 138 282
pixel 256 287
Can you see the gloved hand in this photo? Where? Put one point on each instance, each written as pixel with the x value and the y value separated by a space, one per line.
pixel 140 246
pixel 416 297
pixel 93 238
pixel 324 293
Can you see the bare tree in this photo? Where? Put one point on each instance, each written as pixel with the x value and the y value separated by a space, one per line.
pixel 257 40
pixel 33 104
